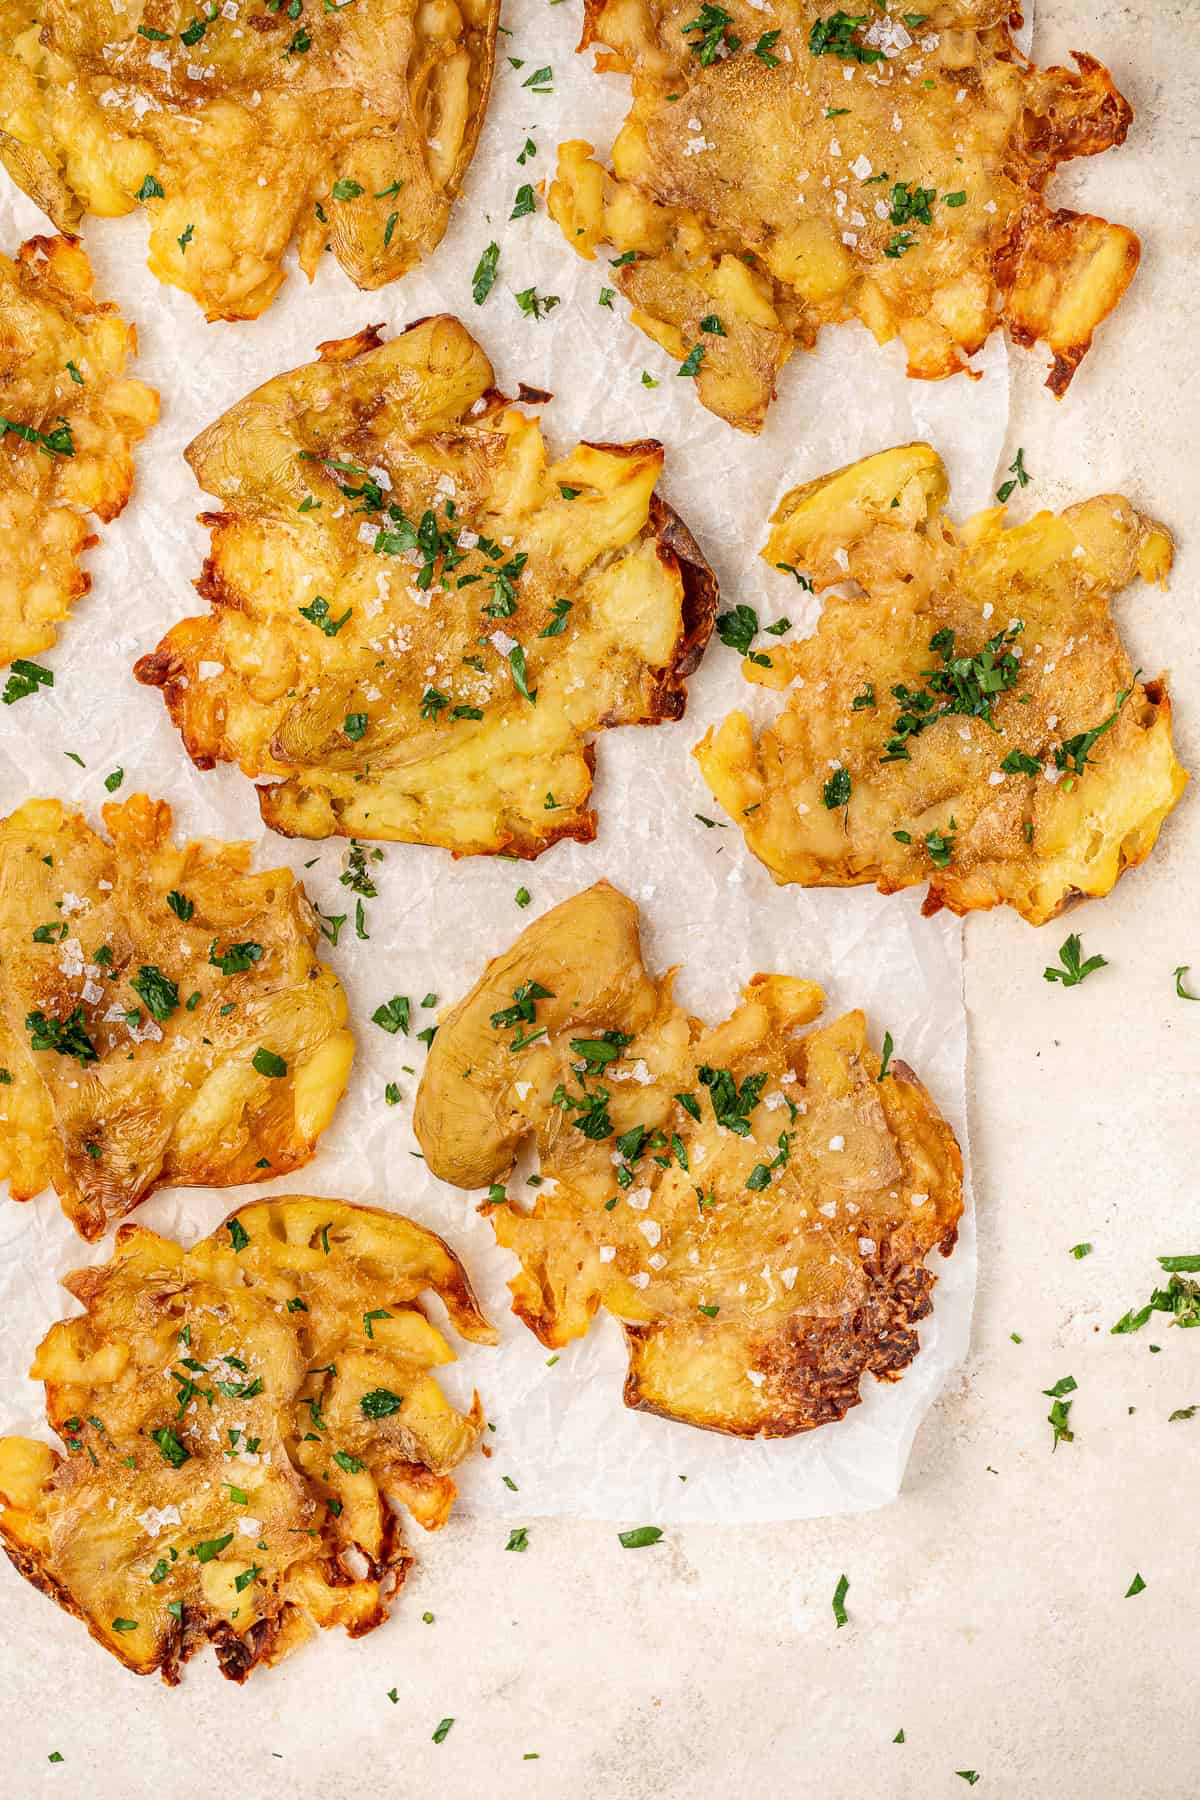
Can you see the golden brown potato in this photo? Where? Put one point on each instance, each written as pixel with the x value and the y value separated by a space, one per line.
pixel 69 418
pixel 418 620
pixel 240 127
pixel 965 714
pixel 785 167
pixel 754 1205
pixel 238 1417
pixel 165 1021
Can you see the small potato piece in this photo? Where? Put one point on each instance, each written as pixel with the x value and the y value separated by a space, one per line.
pixel 227 1478
pixel 987 732
pixel 165 1020
pixel 69 419
pixel 419 620
pixel 349 127
pixel 754 1205
pixel 910 196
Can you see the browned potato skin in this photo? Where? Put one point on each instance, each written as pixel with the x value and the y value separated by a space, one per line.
pixel 178 1104
pixel 87 1528
pixel 807 1300
pixel 245 135
pixel 49 318
pixel 1034 842
pixel 257 683
pixel 733 186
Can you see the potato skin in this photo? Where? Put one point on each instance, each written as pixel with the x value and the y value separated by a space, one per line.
pixel 758 1272
pixel 942 809
pixel 375 685
pixel 289 1333
pixel 350 132
pixel 51 323
pixel 170 1097
pixel 758 187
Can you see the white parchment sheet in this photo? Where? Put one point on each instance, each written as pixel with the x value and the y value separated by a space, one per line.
pixel 562 1432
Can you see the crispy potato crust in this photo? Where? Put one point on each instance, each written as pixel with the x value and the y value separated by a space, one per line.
pixel 238 1418
pixel 349 128
pixel 754 1205
pixel 1033 777
pixel 418 621
pixel 70 418
pixel 896 177
pixel 142 980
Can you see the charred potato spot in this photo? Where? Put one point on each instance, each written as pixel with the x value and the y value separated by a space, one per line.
pixel 71 416
pixel 418 619
pixel 350 129
pixel 165 1019
pixel 782 191
pixel 988 732
pixel 237 1418
pixel 755 1205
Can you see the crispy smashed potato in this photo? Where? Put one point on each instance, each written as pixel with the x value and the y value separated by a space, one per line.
pixel 754 1205
pixel 966 714
pixel 242 126
pixel 785 167
pixel 165 1021
pixel 69 418
pixel 238 1418
pixel 418 620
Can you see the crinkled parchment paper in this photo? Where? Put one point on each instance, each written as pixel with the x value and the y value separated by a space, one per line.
pixel 562 1432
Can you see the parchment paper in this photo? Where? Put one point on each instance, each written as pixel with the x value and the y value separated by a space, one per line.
pixel 562 1432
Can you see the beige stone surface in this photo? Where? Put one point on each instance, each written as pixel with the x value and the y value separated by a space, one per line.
pixel 987 1609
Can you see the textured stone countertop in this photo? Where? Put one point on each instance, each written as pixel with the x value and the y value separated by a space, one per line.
pixel 988 1617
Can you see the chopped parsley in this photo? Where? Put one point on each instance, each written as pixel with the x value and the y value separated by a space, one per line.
pixel 839 1600
pixel 1074 970
pixel 709 34
pixel 835 36
pixel 1018 471
pixel 640 1537
pixel 159 994
pixel 266 1062
pixel 67 1036
pixel 380 1403
pixel 318 614
pixel 237 959
pixel 393 1015
pixel 26 677
pixel 535 305
pixel 836 791
pixel 172 1450
pixel 738 628
pixel 963 684
pixel 484 278
pixel 732 1105
pixel 1060 1411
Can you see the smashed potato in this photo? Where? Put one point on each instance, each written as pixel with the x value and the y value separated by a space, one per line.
pixel 165 1021
pixel 69 418
pixel 966 714
pixel 238 1418
pixel 240 127
pixel 418 620
pixel 785 167
pixel 754 1205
